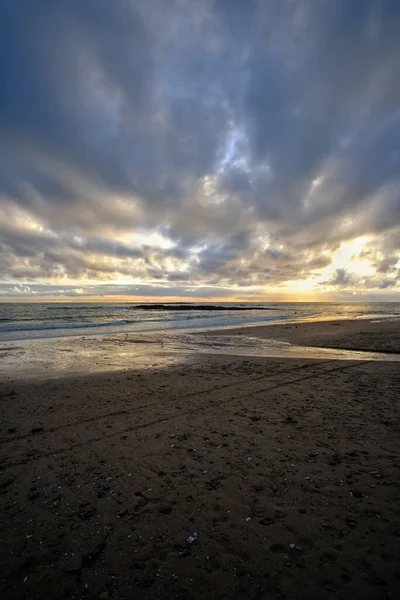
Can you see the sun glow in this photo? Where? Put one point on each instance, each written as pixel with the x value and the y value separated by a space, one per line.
pixel 349 256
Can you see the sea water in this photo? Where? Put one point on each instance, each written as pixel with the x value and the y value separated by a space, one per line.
pixel 19 321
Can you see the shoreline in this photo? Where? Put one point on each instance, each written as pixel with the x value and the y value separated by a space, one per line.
pixel 92 332
pixel 120 327
pixel 74 355
pixel 381 335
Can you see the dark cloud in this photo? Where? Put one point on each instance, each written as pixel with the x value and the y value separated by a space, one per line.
pixel 342 277
pixel 388 264
pixel 388 283
pixel 252 138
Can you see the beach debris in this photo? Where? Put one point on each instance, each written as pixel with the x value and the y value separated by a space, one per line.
pixel 351 522
pixel 289 419
pixel 295 547
pixel 249 459
pixel 248 519
pixel 5 481
pixel 174 577
pixel 214 483
pixel 86 511
pixel 334 460
pixel 25 579
pixel 192 538
pixel 37 429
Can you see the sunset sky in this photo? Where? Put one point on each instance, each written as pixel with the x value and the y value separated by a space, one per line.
pixel 245 149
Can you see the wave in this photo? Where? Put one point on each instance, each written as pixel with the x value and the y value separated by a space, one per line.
pixel 177 320
pixel 36 319
pixel 90 307
pixel 379 312
pixel 41 327
pixel 177 317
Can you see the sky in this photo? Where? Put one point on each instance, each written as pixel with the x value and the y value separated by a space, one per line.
pixel 231 149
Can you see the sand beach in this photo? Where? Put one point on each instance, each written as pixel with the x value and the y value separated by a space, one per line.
pixel 182 475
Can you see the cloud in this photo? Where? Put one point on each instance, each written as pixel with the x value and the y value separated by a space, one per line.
pixel 342 277
pixel 387 283
pixel 241 142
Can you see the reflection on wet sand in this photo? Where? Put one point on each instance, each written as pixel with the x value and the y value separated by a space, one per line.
pixel 52 358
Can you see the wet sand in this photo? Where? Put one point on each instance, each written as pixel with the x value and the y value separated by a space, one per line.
pixel 356 334
pixel 79 355
pixel 104 477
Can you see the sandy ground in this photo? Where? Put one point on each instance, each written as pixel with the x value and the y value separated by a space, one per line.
pixel 358 334
pixel 285 472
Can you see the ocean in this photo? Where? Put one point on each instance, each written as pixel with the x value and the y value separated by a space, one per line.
pixel 20 321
